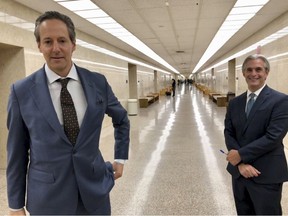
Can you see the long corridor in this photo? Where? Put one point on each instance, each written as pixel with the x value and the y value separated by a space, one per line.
pixel 175 165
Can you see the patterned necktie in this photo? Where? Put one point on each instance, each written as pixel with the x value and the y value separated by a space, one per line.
pixel 250 103
pixel 71 126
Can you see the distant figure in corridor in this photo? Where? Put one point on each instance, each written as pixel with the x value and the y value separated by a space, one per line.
pixel 55 166
pixel 173 87
pixel 255 124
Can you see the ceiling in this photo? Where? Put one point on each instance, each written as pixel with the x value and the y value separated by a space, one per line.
pixel 179 33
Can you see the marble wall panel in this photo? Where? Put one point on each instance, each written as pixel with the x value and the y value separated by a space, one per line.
pixel 12 68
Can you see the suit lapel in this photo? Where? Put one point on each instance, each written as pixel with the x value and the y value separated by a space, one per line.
pixel 242 113
pixel 93 111
pixel 42 98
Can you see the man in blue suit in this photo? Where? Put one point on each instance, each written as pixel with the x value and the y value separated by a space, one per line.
pixel 57 175
pixel 254 140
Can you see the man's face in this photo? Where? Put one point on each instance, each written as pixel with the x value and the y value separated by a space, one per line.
pixel 255 74
pixel 56 46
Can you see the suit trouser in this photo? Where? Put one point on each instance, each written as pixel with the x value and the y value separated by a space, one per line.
pixel 252 198
pixel 104 210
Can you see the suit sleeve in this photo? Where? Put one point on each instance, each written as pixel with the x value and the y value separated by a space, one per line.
pixel 275 132
pixel 121 125
pixel 17 153
pixel 229 130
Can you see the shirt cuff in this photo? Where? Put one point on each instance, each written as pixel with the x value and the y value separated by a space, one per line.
pixel 14 210
pixel 121 161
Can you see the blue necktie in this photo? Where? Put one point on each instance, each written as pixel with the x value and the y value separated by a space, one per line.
pixel 250 103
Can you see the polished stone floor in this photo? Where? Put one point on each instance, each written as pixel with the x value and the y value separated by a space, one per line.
pixel 175 166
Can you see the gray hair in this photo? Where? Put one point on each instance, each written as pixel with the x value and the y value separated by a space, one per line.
pixel 255 57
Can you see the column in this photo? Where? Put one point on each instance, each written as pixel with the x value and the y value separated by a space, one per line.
pixel 132 75
pixel 155 81
pixel 231 78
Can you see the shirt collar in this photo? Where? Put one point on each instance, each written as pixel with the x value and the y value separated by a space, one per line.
pixel 256 92
pixel 52 76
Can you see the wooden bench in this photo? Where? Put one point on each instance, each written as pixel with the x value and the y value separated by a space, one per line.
pixel 149 99
pixel 154 95
pixel 145 101
pixel 211 94
pixel 220 100
pixel 162 92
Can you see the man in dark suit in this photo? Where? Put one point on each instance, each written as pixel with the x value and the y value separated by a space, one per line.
pixel 59 174
pixel 254 140
pixel 173 87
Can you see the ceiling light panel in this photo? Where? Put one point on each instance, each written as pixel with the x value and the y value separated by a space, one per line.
pixel 245 3
pixel 79 5
pixel 91 13
pixel 245 10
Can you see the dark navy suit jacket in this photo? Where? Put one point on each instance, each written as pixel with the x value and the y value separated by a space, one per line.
pixel 259 138
pixel 39 150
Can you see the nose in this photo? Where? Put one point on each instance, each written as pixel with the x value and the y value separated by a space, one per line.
pixel 56 47
pixel 253 72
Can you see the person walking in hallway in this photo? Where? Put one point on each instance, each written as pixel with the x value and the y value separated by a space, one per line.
pixel 173 87
pixel 255 124
pixel 54 120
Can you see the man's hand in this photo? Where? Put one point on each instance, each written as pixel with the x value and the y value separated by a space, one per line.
pixel 20 212
pixel 118 169
pixel 233 157
pixel 248 171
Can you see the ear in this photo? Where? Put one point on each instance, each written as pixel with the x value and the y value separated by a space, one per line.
pixel 39 47
pixel 74 46
pixel 267 73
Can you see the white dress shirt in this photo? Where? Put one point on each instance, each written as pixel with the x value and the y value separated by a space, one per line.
pixel 75 89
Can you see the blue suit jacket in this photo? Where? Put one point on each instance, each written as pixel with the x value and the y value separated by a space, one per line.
pixel 38 147
pixel 259 138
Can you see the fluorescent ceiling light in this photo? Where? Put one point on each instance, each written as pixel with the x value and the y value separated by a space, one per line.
pixel 91 13
pixel 108 24
pixel 240 14
pixel 277 35
pixel 79 5
pixel 23 24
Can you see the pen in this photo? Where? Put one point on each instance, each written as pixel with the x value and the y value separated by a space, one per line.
pixel 223 152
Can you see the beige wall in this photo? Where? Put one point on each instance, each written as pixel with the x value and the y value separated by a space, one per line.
pixel 278 66
pixel 12 68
